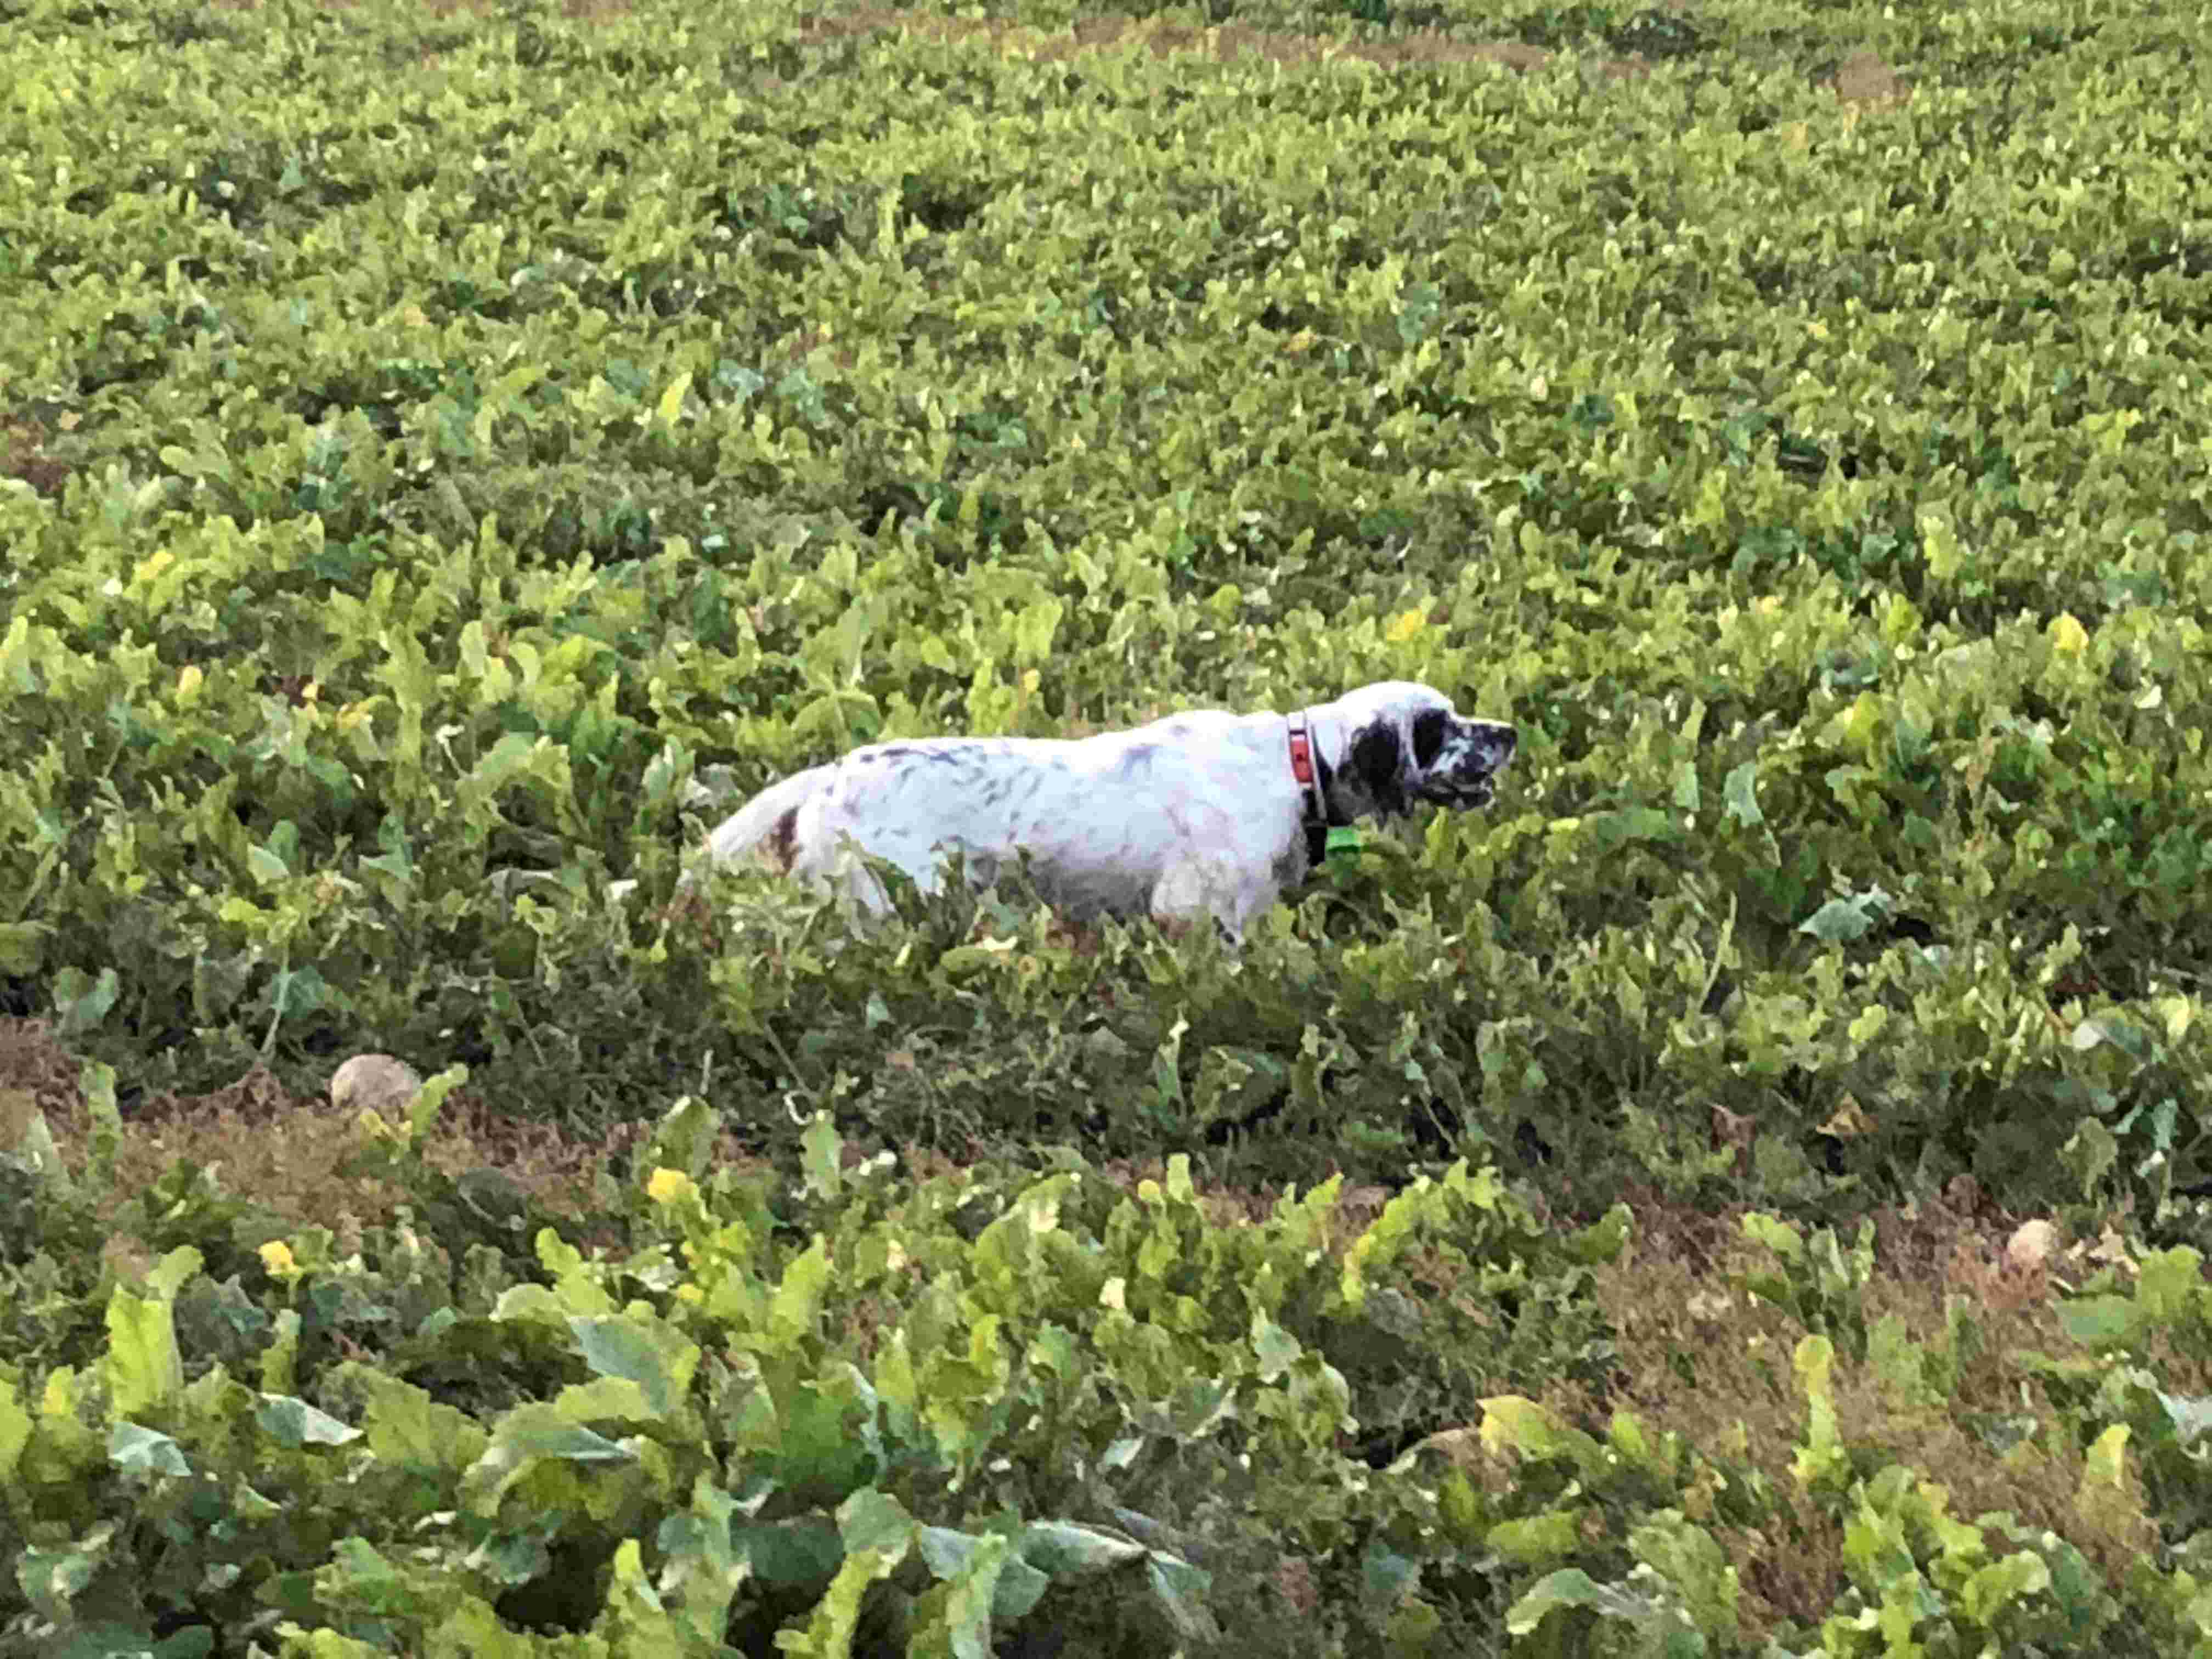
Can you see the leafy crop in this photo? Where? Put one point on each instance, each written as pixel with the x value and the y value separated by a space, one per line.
pixel 448 460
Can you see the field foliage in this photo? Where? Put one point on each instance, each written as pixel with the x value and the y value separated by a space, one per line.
pixel 448 458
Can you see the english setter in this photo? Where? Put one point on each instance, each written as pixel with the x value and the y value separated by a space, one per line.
pixel 1201 813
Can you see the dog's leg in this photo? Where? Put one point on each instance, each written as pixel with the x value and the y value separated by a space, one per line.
pixel 1192 890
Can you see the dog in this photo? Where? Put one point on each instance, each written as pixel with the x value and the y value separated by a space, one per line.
pixel 1201 814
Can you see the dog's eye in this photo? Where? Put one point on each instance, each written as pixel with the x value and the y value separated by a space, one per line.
pixel 1430 726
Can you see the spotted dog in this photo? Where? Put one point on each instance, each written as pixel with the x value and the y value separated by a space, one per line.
pixel 1205 813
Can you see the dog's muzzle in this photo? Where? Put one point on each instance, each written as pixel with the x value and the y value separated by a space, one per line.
pixel 1468 777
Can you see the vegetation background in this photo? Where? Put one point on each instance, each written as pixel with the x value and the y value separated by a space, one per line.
pixel 1740 1193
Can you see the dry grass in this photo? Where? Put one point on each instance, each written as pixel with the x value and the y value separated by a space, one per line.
pixel 282 1150
pixel 1702 1359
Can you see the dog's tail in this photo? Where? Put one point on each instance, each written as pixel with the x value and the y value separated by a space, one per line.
pixel 765 821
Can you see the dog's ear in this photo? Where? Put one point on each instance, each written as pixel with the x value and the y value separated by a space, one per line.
pixel 1378 760
pixel 1429 728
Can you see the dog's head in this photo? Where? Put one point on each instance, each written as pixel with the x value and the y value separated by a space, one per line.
pixel 1400 744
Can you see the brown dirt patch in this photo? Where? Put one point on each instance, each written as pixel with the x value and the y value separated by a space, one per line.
pixel 1864 79
pixel 24 436
pixel 281 1149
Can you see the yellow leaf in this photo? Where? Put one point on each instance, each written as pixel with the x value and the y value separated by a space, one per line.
pixel 1848 1120
pixel 1405 627
pixel 2067 635
pixel 2105 1464
pixel 671 401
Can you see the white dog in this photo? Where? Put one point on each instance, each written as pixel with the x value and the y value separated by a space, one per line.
pixel 1197 814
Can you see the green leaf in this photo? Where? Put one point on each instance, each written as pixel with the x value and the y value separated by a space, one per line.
pixel 24 1132
pixel 658 1360
pixel 1071 1549
pixel 1386 1575
pixel 1570 1587
pixel 823 1161
pixel 1276 1349
pixel 528 1434
pixel 795 1308
pixel 2098 1321
pixel 1603 1240
pixel 1690 1560
pixel 964 1622
pixel 145 1452
pixel 14 1431
pixel 1181 1589
pixel 408 1429
pixel 943 1549
pixel 1775 1234
pixel 144 1369
pixel 1511 1420
pixel 52 1577
pixel 294 1422
pixel 684 1139
pixel 2089 1154
pixel 1020 1587
pixel 1841 920
pixel 802 1552
pixel 2169 1287
pixel 2190 1415
pixel 22 948
pixel 83 1001
pixel 1534 1539
pixel 2018 1576
pixel 828 1633
pixel 875 1520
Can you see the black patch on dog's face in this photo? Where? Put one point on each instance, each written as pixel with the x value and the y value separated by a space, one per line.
pixel 1377 761
pixel 1430 726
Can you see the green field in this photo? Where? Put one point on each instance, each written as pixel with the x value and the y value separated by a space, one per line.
pixel 449 457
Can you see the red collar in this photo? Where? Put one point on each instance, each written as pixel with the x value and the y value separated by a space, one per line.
pixel 1313 810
